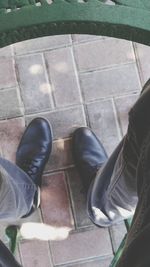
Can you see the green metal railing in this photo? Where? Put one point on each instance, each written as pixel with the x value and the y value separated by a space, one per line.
pixel 25 19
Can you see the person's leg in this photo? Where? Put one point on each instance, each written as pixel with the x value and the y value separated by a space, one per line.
pixel 136 251
pixel 19 184
pixel 17 191
pixel 111 197
pixel 113 194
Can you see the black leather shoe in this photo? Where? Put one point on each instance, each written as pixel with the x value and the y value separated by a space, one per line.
pixel 34 149
pixel 88 153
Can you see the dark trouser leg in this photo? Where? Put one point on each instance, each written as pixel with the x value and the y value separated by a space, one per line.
pixel 137 248
pixel 113 195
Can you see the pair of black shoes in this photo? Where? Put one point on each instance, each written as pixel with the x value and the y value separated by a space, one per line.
pixel 36 144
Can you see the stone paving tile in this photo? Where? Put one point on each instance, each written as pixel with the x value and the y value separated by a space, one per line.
pixel 103 123
pixel 117 233
pixel 7 73
pixel 10 103
pixel 84 38
pixel 35 253
pixel 40 44
pixel 6 51
pixel 81 246
pixel 143 58
pixel 63 77
pixel 95 263
pixel 61 156
pixel 34 84
pixel 103 53
pixel 123 106
pixel 111 82
pixel 79 202
pixel 55 206
pixel 10 134
pixel 63 121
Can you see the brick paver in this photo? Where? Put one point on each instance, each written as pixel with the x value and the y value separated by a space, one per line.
pixel 34 84
pixel 41 44
pixel 122 80
pixel 72 81
pixel 78 197
pixel 80 246
pixel 61 67
pixel 102 54
pixel 56 210
pixel 117 233
pixel 10 103
pixel 10 134
pixel 143 61
pixel 7 73
pixel 103 122
pixel 95 263
pixel 122 110
pixel 64 121
pixel 35 253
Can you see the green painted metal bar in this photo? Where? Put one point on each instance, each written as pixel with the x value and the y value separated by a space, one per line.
pixel 119 252
pixel 68 17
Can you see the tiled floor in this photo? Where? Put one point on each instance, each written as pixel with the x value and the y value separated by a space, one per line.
pixel 72 81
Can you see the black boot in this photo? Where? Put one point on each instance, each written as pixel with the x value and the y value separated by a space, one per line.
pixel 34 149
pixel 88 153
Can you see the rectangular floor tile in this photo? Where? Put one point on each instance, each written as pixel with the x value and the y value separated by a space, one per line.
pixel 96 263
pixel 35 253
pixel 40 44
pixel 64 121
pixel 61 156
pixel 6 51
pixel 55 205
pixel 79 199
pixel 103 53
pixel 143 59
pixel 111 82
pixel 10 103
pixel 63 77
pixel 77 38
pixel 81 246
pixel 123 106
pixel 103 122
pixel 34 84
pixel 10 134
pixel 7 73
pixel 117 233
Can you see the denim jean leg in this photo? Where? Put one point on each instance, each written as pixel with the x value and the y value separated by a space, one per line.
pixel 113 195
pixel 17 191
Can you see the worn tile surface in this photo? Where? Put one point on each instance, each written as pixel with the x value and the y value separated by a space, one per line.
pixel 55 205
pixel 79 200
pixel 103 122
pixel 81 246
pixel 64 121
pixel 35 253
pixel 61 67
pixel 103 54
pixel 72 81
pixel 117 233
pixel 34 84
